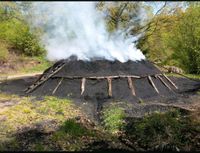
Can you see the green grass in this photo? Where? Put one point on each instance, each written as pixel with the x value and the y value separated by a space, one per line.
pixel 163 130
pixel 44 64
pixel 113 118
pixel 192 76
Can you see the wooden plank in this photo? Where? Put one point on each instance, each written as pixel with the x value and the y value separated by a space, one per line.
pixel 130 83
pixel 109 86
pixel 151 82
pixel 83 80
pixel 170 81
pixel 164 82
pixel 57 86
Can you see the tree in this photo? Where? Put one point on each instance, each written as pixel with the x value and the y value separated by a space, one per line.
pixel 185 40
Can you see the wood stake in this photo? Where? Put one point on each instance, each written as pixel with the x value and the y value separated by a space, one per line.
pixel 109 86
pixel 151 81
pixel 83 80
pixel 57 86
pixel 164 82
pixel 130 83
pixel 170 81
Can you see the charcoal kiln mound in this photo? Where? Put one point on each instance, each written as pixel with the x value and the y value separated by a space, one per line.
pixel 102 79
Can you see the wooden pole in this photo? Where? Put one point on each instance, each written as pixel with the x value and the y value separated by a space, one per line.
pixel 151 81
pixel 83 80
pixel 109 86
pixel 130 83
pixel 164 82
pixel 170 81
pixel 57 86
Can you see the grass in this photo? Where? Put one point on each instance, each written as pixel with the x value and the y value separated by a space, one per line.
pixel 113 118
pixel 23 64
pixel 28 112
pixel 192 76
pixel 69 135
pixel 163 131
pixel 44 64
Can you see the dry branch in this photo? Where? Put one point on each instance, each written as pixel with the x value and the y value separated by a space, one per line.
pixel 130 83
pixel 151 81
pixel 83 80
pixel 170 81
pixel 57 86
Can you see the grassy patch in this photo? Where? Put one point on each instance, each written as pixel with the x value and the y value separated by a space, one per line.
pixel 113 118
pixel 28 112
pixel 192 76
pixel 163 131
pixel 44 64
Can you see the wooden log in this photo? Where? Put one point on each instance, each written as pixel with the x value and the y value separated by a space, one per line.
pixel 83 80
pixel 170 81
pixel 164 82
pixel 130 83
pixel 151 82
pixel 57 86
pixel 43 79
pixel 109 86
pixel 102 77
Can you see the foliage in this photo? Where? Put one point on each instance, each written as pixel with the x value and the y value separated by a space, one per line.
pixel 185 40
pixel 3 52
pixel 17 32
pixel 113 118
pixel 163 130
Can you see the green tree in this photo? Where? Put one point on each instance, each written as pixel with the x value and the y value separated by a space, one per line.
pixel 185 40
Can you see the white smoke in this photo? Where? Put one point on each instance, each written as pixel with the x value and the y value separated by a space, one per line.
pixel 77 28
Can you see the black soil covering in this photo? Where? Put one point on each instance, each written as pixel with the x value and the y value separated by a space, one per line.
pixel 105 68
pixel 96 91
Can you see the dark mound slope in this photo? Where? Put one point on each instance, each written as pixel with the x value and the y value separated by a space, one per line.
pixel 105 68
pixel 98 89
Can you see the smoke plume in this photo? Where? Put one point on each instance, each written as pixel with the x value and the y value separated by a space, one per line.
pixel 77 28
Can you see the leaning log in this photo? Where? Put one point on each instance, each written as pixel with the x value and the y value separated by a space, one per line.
pixel 109 86
pixel 44 78
pixel 170 81
pixel 164 82
pixel 57 86
pixel 151 82
pixel 130 83
pixel 83 80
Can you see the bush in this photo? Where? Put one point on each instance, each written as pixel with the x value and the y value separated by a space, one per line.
pixel 3 52
pixel 185 41
pixel 18 34
pixel 28 44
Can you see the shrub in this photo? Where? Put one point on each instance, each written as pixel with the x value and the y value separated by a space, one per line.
pixel 3 52
pixel 28 44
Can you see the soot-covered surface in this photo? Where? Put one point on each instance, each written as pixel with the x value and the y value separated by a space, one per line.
pixel 105 68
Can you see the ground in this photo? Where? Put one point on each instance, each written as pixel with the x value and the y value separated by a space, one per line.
pixel 56 124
